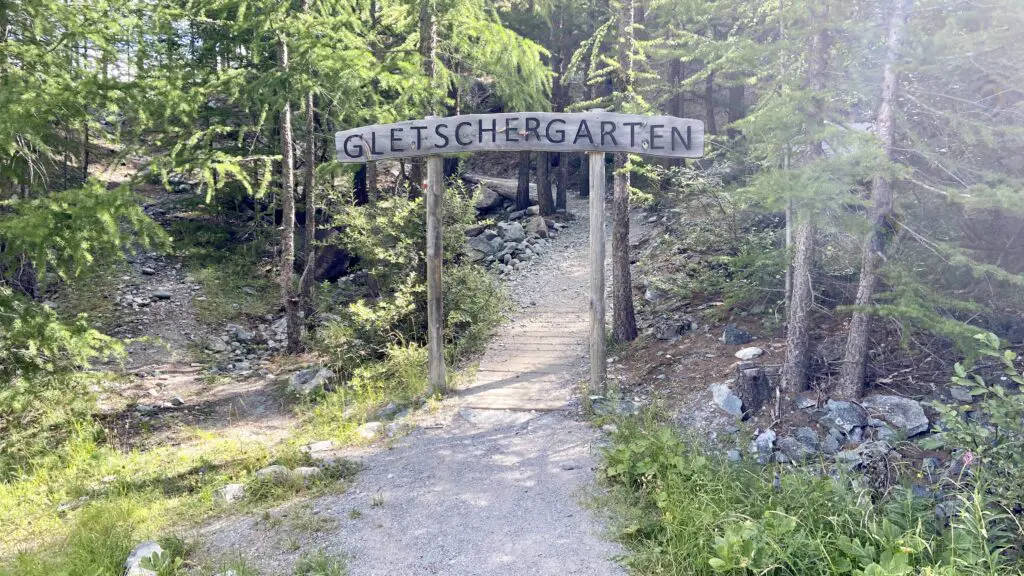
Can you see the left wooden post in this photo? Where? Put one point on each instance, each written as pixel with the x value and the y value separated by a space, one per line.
pixel 435 314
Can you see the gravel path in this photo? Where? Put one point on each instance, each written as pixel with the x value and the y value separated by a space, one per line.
pixel 471 492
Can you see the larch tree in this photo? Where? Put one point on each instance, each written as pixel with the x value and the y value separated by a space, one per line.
pixel 623 315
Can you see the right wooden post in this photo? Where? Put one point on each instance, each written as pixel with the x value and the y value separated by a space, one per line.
pixel 598 365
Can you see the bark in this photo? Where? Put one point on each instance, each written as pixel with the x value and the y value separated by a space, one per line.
pixel 560 92
pixel 709 104
pixel 85 149
pixel 584 176
pixel 288 295
pixel 309 200
pixel 851 378
pixel 523 189
pixel 798 325
pixel 544 199
pixel 794 370
pixel 737 108
pixel 371 180
pixel 428 52
pixel 623 316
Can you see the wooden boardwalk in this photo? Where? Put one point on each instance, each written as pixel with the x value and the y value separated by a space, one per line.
pixel 538 358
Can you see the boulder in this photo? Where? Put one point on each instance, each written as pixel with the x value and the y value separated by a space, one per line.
pixel 511 231
pixel 733 336
pixel 537 227
pixel 231 493
pixel 844 415
pixel 369 430
pixel 903 413
pixel 144 551
pixel 307 473
pixel 479 248
pixel 162 294
pixel 795 449
pixel 275 473
pixel 488 200
pixel 726 400
pixel 749 353
pixel 310 380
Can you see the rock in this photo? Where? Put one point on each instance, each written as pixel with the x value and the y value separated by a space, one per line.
pixel 537 227
pixel 516 214
pixel 227 573
pixel 672 331
pixel 148 271
pixel 830 445
pixel 369 430
pixel 961 394
pixel 903 413
pixel 749 353
pixel 307 473
pixel 805 401
pixel 609 428
pixel 478 248
pixel 733 455
pixel 321 446
pixel 795 450
pixel 533 210
pixel 726 400
pixel 487 200
pixel 807 436
pixel 310 380
pixel 244 334
pixel 844 415
pixel 733 336
pixel 144 551
pixel 569 465
pixel 248 290
pixel 146 409
pixel 162 294
pixel 857 435
pixel 511 231
pixel 275 473
pixel 231 493
pixel 176 401
pixel 763 443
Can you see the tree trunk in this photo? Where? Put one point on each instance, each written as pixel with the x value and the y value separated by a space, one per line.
pixel 737 108
pixel 308 278
pixel 584 176
pixel 85 149
pixel 428 51
pixel 709 104
pixel 623 316
pixel 523 189
pixel 544 199
pixel 794 370
pixel 288 214
pixel 561 99
pixel 371 180
pixel 798 325
pixel 851 378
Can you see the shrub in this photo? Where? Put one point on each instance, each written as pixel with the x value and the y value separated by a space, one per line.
pixel 990 434
pixel 684 511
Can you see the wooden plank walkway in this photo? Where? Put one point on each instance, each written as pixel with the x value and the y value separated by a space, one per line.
pixel 539 357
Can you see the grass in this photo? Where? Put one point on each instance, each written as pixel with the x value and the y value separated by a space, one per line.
pixel 320 564
pixel 228 267
pixel 680 510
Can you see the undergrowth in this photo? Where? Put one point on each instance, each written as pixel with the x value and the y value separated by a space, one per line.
pixel 681 510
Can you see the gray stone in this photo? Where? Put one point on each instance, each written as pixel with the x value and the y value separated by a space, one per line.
pixel 781 458
pixel 511 231
pixel 231 493
pixel 162 294
pixel 733 455
pixel 177 402
pixel 569 465
pixel 487 199
pixel 805 401
pixel 533 210
pixel 274 472
pixel 726 400
pixel 903 413
pixel 307 473
pixel 857 435
pixel 144 551
pixel 844 415
pixel 961 394
pixel 807 436
pixel 310 380
pixel 733 336
pixel 794 449
pixel 321 446
pixel 830 445
pixel 216 344
pixel 479 248
pixel 537 227
pixel 749 353
pixel 148 271
pixel 763 443
pixel 369 430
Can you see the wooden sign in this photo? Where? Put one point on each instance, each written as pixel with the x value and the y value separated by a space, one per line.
pixel 516 131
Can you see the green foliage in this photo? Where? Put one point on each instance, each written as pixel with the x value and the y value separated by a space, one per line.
pixel 320 564
pixel 683 511
pixel 989 436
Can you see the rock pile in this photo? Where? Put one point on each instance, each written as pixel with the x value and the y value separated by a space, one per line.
pixel 509 245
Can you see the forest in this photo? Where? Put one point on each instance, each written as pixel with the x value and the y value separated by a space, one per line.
pixel 814 328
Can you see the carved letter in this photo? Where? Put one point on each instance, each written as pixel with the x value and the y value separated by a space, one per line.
pixel 419 135
pixel 632 131
pixel 358 147
pixel 655 136
pixel 560 132
pixel 677 134
pixel 510 131
pixel 493 130
pixel 441 135
pixel 583 129
pixel 532 125
pixel 457 133
pixel 396 140
pixel 608 129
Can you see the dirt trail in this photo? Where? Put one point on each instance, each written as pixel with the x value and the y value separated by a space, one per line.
pixel 472 491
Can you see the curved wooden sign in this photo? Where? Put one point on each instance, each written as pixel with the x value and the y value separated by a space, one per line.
pixel 517 131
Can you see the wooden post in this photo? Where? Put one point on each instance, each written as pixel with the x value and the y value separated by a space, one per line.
pixel 435 316
pixel 598 366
